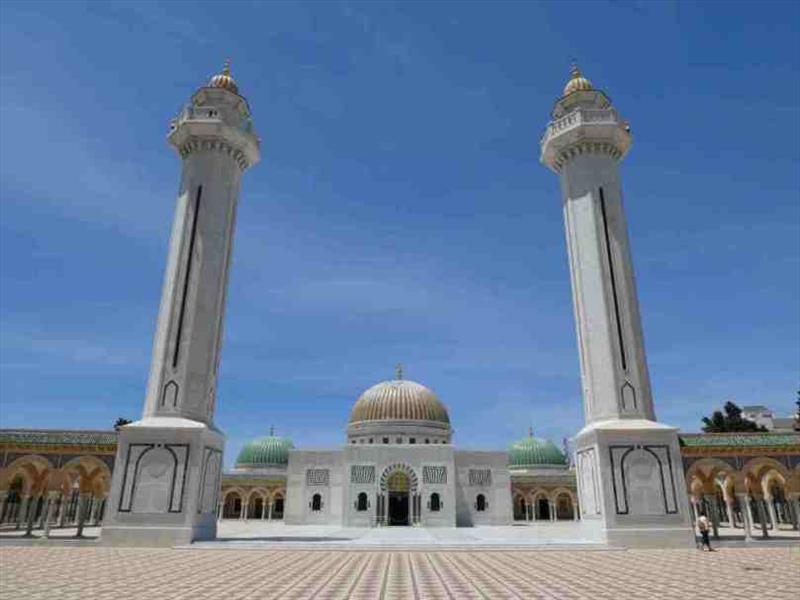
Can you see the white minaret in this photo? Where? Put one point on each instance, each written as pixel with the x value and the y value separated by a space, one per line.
pixel 168 465
pixel 630 476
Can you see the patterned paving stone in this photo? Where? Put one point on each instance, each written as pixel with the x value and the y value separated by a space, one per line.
pixel 97 573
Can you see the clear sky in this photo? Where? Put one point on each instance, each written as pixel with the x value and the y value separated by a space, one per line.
pixel 400 213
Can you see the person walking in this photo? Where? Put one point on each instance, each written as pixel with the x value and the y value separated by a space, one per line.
pixel 703 525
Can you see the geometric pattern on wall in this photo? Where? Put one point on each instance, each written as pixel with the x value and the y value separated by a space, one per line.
pixel 317 476
pixel 480 477
pixel 434 474
pixel 362 473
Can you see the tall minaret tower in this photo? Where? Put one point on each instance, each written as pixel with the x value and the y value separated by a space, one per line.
pixel 168 465
pixel 630 477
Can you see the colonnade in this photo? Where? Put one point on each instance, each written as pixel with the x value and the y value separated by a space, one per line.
pixel 760 498
pixel 52 509
pixel 540 505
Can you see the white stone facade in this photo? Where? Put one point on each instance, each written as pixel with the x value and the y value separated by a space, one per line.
pixel 353 486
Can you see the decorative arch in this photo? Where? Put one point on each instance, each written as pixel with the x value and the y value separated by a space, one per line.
pixel 560 491
pixel 759 466
pixel 403 468
pixel 707 469
pixel 520 505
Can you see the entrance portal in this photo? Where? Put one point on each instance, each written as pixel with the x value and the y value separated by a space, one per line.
pixel 398 485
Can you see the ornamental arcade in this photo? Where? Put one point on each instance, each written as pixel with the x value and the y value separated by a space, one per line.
pixel 54 478
pixel 745 481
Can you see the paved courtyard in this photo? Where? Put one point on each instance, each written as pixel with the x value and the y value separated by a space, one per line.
pixel 45 571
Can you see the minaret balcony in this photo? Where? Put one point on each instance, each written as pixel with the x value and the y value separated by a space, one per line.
pixel 581 128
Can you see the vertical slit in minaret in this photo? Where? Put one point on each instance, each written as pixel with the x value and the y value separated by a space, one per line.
pixel 187 276
pixel 613 282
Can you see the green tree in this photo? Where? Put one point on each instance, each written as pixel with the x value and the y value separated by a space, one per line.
pixel 730 420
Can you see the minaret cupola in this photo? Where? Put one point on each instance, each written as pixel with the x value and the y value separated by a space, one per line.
pixel 224 80
pixel 577 82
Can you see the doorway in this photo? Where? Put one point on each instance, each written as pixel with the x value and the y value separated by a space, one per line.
pixel 398 486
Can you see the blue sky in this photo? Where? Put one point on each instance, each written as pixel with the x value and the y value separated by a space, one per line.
pixel 400 213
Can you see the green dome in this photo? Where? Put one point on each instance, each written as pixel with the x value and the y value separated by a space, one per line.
pixel 535 452
pixel 270 451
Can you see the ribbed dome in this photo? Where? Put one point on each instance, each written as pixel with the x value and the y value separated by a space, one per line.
pixel 224 79
pixel 399 400
pixel 535 452
pixel 270 451
pixel 577 83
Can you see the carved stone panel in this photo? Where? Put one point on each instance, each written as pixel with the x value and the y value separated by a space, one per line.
pixel 480 477
pixel 317 477
pixel 209 484
pixel 643 480
pixel 434 474
pixel 362 474
pixel 154 478
pixel 589 485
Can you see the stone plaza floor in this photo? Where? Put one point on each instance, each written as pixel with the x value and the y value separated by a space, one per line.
pixel 86 571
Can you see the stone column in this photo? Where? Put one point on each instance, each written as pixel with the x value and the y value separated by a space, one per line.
pixel 794 504
pixel 52 498
pixel 3 497
pixel 220 510
pixel 31 516
pixel 575 512
pixel 97 510
pixel 711 500
pixel 770 504
pixel 83 499
pixel 731 513
pixel 762 515
pixel 43 515
pixel 552 506
pixel 747 516
pixel 22 515
pixel 62 513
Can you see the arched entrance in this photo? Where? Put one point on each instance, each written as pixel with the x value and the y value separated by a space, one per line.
pixel 398 486
pixel 542 509
pixel 398 501
pixel 232 509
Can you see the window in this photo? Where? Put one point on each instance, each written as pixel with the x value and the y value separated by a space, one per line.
pixel 412 440
pixel 385 440
pixel 427 440
pixel 316 502
pixel 370 440
pixel 361 503
pixel 399 441
pixel 436 503
pixel 352 441
pixel 480 503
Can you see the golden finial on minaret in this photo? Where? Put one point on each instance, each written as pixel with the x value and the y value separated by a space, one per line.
pixel 224 80
pixel 577 82
pixel 271 430
pixel 398 374
pixel 530 431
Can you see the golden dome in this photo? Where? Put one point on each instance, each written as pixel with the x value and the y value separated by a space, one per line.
pixel 577 83
pixel 224 79
pixel 399 400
